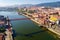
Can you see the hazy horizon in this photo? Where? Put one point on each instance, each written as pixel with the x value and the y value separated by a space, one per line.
pixel 4 3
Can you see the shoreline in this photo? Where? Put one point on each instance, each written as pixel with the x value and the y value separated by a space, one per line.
pixel 49 29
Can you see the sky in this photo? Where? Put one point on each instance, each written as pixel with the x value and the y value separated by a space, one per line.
pixel 20 2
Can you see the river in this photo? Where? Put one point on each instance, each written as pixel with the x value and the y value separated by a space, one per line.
pixel 26 29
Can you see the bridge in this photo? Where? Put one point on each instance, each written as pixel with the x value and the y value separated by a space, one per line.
pixel 14 19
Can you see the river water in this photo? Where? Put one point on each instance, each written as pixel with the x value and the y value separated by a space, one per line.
pixel 26 29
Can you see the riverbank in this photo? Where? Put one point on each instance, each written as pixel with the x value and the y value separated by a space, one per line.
pixel 50 29
pixel 25 27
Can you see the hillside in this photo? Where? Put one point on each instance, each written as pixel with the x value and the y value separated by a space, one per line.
pixel 51 4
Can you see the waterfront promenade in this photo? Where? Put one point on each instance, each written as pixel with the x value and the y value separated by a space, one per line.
pixel 56 30
pixel 8 31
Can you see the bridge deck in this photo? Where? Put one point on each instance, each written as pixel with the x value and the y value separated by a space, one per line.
pixel 19 19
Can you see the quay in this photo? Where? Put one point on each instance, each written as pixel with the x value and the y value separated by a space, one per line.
pixel 55 31
pixel 5 29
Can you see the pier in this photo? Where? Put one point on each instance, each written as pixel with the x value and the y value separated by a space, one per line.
pixel 8 32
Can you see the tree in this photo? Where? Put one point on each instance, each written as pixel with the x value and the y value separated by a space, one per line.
pixel 31 11
pixel 2 29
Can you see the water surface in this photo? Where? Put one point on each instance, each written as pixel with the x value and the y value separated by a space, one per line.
pixel 26 29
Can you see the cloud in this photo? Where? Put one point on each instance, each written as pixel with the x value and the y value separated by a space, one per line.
pixel 19 2
pixel 2 4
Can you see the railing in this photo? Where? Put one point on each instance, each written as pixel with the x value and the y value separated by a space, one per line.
pixel 19 19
